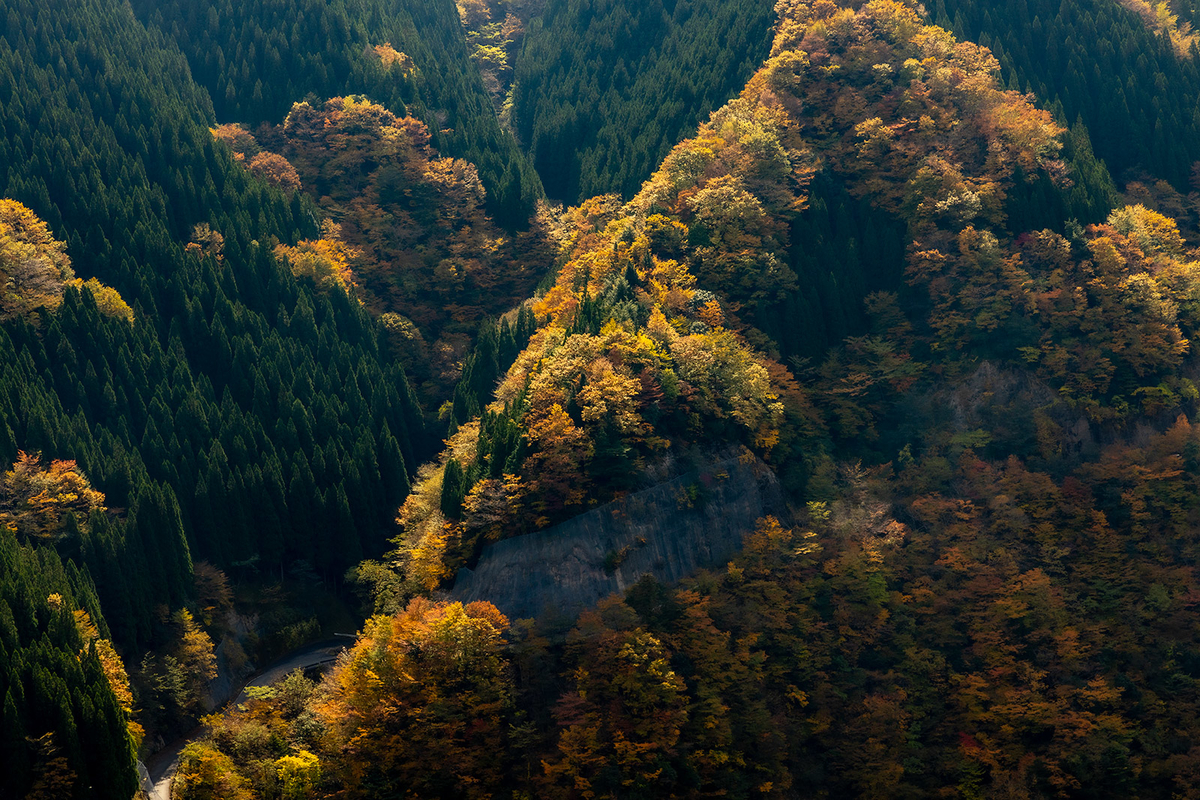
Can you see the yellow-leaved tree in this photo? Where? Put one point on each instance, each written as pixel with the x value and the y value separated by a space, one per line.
pixel 114 668
pixel 194 655
pixel 35 502
pixel 108 299
pixel 326 260
pixel 35 268
pixel 418 706
pixel 34 265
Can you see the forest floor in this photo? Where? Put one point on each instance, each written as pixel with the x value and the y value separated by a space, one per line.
pixel 165 762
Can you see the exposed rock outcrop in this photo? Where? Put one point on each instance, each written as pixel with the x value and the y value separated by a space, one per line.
pixel 669 531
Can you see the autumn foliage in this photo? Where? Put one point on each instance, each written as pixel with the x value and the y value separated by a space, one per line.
pixel 33 264
pixel 646 338
pixel 392 58
pixel 325 261
pixel 420 703
pixel 1107 320
pixel 984 585
pixel 960 612
pixel 426 250
pixel 35 268
pixel 35 501
pixel 271 167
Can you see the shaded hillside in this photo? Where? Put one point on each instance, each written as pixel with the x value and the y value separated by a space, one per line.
pixel 256 59
pixel 602 91
pixel 1138 98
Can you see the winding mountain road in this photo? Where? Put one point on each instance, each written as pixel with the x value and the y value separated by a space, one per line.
pixel 157 774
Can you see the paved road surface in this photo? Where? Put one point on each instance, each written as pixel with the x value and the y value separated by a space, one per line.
pixel 161 769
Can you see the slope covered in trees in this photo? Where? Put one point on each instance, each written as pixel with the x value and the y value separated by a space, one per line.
pixel 236 389
pixel 601 91
pixel 1137 96
pixel 257 59
pixel 1163 20
pixel 495 31
pixel 850 247
pixel 225 409
pixel 406 228
pixel 985 587
pixel 988 591
pixel 637 358
pixel 65 723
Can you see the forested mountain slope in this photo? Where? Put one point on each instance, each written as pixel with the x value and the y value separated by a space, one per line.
pixel 988 590
pixel 602 90
pixel 1138 97
pixel 912 292
pixel 258 58
pixel 237 414
pixel 180 395
pixel 637 357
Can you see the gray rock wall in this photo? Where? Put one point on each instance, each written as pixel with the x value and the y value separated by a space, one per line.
pixel 669 531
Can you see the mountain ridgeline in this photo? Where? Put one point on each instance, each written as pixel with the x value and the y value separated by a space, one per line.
pixel 975 592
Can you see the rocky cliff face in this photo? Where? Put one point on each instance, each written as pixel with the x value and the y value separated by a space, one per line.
pixel 669 531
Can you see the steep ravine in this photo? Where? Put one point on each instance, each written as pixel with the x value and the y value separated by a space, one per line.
pixel 668 531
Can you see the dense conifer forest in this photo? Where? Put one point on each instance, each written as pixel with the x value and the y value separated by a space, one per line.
pixel 293 329
pixel 599 115
pixel 256 59
pixel 1136 89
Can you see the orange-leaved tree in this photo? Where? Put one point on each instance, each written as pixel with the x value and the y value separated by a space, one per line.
pixel 35 502
pixel 418 705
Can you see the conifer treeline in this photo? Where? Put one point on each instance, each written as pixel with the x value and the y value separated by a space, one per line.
pixel 603 90
pixel 256 59
pixel 242 417
pixel 1139 98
